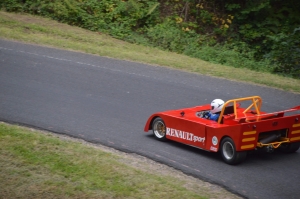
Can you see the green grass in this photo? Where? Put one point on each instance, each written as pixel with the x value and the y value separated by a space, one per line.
pixel 41 31
pixel 36 164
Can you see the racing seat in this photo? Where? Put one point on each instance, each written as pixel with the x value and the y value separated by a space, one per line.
pixel 227 110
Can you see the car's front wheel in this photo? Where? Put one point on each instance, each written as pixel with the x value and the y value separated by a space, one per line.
pixel 229 153
pixel 159 129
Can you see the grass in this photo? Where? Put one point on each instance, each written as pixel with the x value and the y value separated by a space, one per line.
pixel 35 164
pixel 42 31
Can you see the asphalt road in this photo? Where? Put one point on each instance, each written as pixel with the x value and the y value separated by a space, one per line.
pixel 108 101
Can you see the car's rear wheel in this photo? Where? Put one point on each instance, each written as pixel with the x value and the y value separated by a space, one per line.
pixel 229 153
pixel 290 148
pixel 159 129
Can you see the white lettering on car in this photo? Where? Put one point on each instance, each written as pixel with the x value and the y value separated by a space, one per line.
pixel 184 135
pixel 213 149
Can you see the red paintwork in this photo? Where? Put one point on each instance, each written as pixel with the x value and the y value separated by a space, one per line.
pixel 243 128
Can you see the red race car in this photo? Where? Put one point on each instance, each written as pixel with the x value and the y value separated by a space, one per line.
pixel 237 130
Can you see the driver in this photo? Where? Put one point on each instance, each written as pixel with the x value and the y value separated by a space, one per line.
pixel 216 107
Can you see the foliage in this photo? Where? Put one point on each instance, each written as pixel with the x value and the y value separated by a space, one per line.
pixel 168 35
pixel 238 55
pixel 264 26
pixel 116 17
pixel 268 26
pixel 286 53
pixel 232 32
pixel 11 5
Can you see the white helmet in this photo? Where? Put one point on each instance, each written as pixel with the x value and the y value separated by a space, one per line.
pixel 216 105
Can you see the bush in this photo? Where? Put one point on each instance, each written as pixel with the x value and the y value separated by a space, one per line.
pixel 285 53
pixel 240 34
pixel 118 18
pixel 11 5
pixel 238 55
pixel 169 36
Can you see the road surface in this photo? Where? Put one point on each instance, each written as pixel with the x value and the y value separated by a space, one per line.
pixel 108 101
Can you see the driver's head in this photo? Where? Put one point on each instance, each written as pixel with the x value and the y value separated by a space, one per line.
pixel 216 105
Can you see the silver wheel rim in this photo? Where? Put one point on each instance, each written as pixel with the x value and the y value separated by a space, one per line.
pixel 228 150
pixel 159 129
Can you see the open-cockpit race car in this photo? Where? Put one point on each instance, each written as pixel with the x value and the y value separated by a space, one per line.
pixel 237 130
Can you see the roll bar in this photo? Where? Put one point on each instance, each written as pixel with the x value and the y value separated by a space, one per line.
pixel 256 103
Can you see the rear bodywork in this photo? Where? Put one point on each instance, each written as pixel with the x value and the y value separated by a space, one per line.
pixel 248 127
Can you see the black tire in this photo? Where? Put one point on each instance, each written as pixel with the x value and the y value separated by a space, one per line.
pixel 159 129
pixel 290 148
pixel 229 153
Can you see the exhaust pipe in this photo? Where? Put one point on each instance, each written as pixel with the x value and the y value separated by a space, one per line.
pixel 271 138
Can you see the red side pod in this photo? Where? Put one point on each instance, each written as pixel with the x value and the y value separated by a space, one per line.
pixel 215 134
pixel 185 131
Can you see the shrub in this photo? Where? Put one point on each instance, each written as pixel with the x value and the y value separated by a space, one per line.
pixel 11 5
pixel 285 53
pixel 168 36
pixel 251 34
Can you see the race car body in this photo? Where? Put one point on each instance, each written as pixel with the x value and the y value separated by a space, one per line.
pixel 237 131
